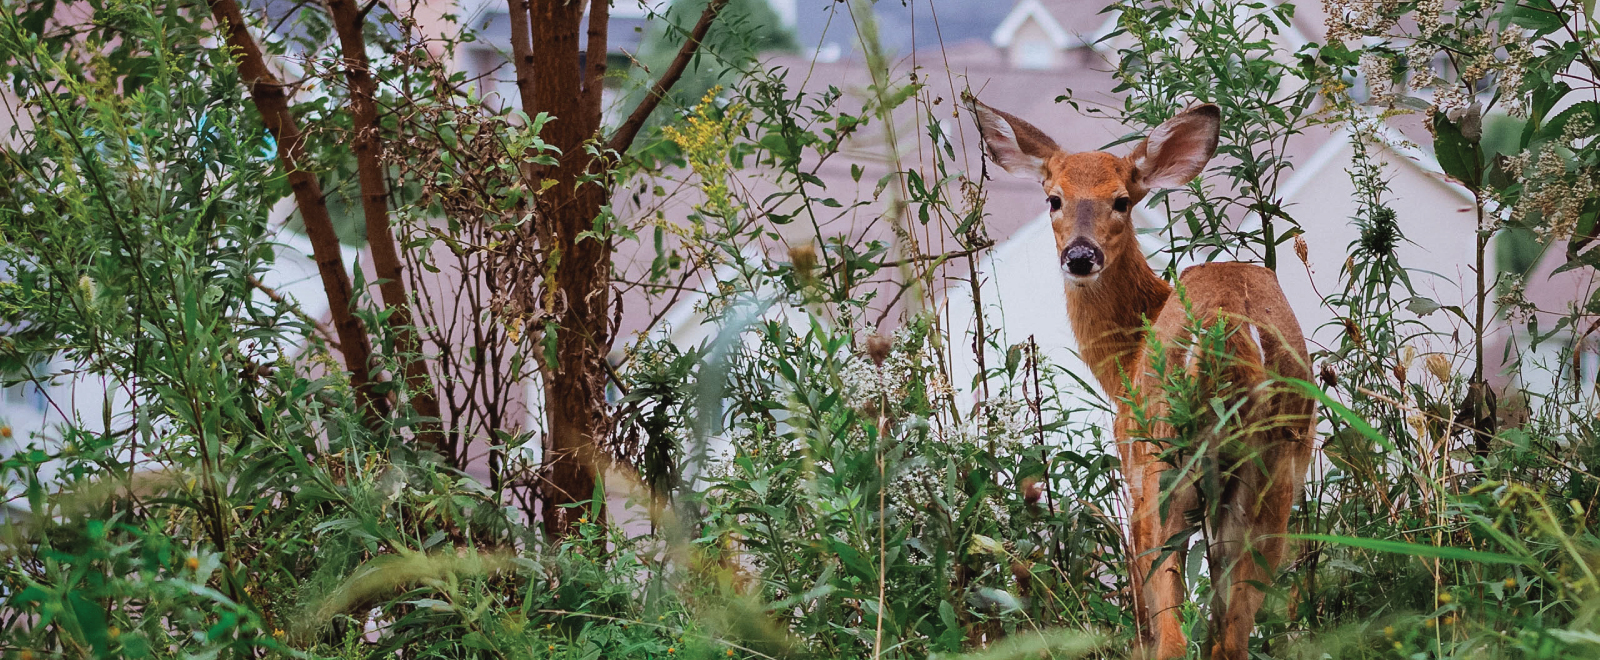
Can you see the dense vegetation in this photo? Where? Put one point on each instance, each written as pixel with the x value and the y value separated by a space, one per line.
pixel 809 484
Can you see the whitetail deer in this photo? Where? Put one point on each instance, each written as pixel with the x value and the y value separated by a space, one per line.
pixel 1111 294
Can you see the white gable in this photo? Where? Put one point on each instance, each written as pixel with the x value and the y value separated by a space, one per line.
pixel 1006 33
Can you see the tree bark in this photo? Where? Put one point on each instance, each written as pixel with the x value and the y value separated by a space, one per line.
pixel 272 101
pixel 575 389
pixel 348 21
pixel 552 79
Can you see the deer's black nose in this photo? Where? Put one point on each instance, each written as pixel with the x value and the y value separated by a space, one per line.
pixel 1082 259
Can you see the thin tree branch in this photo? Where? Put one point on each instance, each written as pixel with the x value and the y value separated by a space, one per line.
pixel 275 296
pixel 522 53
pixel 623 138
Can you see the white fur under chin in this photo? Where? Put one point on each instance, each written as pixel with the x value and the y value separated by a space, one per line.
pixel 1079 280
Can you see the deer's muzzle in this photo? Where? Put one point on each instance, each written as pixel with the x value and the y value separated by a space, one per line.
pixel 1082 258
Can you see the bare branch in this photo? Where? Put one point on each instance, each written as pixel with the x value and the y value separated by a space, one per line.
pixel 623 138
pixel 275 296
pixel 522 53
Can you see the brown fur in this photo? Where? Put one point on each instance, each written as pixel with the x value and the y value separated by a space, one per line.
pixel 1108 315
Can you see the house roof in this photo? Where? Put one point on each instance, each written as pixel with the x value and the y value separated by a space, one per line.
pixel 1068 23
pixel 903 27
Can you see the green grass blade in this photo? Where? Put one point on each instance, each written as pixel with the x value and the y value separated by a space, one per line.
pixel 1414 549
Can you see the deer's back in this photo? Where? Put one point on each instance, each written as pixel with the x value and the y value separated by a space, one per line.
pixel 1263 341
pixel 1250 301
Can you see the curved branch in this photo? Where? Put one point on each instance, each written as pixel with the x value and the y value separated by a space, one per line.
pixel 623 138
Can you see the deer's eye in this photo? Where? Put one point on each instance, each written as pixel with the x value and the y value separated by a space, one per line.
pixel 1120 205
pixel 1055 202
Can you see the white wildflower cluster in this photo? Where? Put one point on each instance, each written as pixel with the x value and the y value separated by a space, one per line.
pixel 1512 72
pixel 1448 98
pixel 1478 60
pixel 1353 19
pixel 913 494
pixel 866 383
pixel 1515 301
pixel 762 448
pixel 1428 14
pixel 1548 191
pixel 922 490
pixel 1008 418
pixel 1420 56
pixel 1001 426
pixel 870 377
pixel 920 493
pixel 1378 67
pixel 939 388
pixel 1578 129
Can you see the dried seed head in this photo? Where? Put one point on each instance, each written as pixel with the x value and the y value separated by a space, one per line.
pixel 1328 376
pixel 804 260
pixel 1031 490
pixel 1439 366
pixel 878 347
pixel 1022 572
pixel 1300 250
pixel 1400 372
pixel 1350 328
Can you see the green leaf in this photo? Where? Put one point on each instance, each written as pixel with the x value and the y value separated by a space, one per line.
pixel 1459 157
pixel 1584 233
pixel 1422 306
pixel 953 635
pixel 853 562
pixel 1414 549
pixel 1004 599
pixel 1558 124
pixel 1013 358
pixel 1545 98
pixel 983 545
pixel 92 621
pixel 1541 16
pixel 1345 414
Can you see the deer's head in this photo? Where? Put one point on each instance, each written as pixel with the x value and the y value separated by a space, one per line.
pixel 1091 194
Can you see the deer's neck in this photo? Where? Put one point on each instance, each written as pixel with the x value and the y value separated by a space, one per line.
pixel 1108 317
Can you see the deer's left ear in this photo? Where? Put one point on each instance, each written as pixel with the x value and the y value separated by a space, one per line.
pixel 1178 150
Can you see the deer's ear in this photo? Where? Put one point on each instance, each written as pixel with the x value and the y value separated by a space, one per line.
pixel 1178 150
pixel 1014 144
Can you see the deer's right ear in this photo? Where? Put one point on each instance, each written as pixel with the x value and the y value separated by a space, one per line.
pixel 1014 144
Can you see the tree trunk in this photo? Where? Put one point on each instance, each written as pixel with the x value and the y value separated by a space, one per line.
pixel 272 101
pixel 551 78
pixel 348 21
